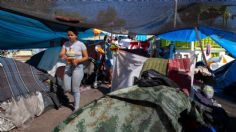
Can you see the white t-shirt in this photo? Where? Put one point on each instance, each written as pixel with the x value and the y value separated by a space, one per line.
pixel 75 49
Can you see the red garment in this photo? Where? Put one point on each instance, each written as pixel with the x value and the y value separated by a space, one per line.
pixel 144 45
pixel 136 44
pixel 179 72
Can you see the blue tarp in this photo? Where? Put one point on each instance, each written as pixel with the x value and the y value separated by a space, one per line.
pixel 227 40
pixel 229 76
pixel 225 78
pixel 141 37
pixel 19 32
pixel 184 35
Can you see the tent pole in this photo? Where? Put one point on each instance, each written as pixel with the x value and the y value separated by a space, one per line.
pixel 171 49
pixel 200 42
pixel 175 12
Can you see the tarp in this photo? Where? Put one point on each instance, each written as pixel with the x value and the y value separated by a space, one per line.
pixel 184 35
pixel 132 109
pixel 18 32
pixel 39 22
pixel 227 40
pixel 50 60
pixel 141 37
pixel 225 77
pixel 140 17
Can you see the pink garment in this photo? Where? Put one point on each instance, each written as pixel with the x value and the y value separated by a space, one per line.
pixel 179 72
pixel 208 49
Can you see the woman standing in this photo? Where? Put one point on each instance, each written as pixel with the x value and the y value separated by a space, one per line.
pixel 75 53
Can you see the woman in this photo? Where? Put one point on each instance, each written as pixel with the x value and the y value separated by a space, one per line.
pixel 75 53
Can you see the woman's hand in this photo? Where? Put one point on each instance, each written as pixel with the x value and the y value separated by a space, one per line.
pixel 75 62
pixel 69 60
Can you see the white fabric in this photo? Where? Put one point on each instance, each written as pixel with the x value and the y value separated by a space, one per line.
pixel 20 111
pixel 50 60
pixel 217 63
pixel 54 68
pixel 192 66
pixel 126 67
pixel 226 58
pixel 125 42
pixel 5 125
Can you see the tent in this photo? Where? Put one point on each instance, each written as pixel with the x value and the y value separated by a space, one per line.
pixel 133 109
pixel 227 40
pixel 224 76
pixel 225 79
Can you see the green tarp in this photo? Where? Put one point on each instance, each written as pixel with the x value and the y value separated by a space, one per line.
pixel 131 109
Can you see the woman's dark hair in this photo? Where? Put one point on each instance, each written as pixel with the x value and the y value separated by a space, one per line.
pixel 72 29
pixel 105 38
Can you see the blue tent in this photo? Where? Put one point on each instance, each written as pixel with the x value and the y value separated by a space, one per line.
pixel 225 78
pixel 227 40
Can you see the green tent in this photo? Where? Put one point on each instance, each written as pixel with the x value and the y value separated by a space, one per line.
pixel 132 109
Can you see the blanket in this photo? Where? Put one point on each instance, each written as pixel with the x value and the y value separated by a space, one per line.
pixel 20 79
